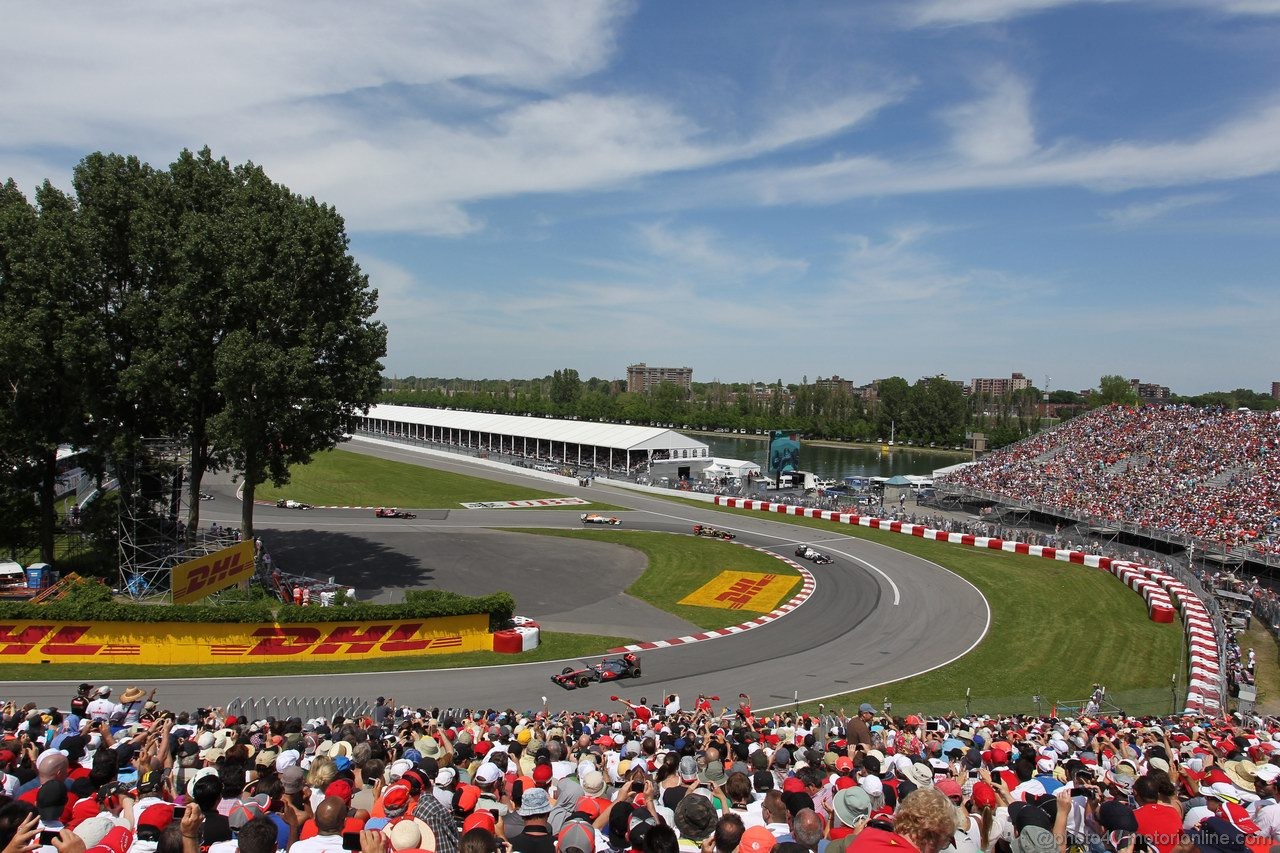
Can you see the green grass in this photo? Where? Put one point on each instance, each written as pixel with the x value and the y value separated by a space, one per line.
pixel 555 646
pixel 343 478
pixel 1056 628
pixel 678 565
pixel 1267 673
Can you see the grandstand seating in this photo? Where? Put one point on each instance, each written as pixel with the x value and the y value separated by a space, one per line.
pixel 1203 473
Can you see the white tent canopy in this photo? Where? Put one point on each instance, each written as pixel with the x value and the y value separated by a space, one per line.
pixel 571 442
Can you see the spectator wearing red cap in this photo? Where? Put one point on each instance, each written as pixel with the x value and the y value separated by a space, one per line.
pixel 988 814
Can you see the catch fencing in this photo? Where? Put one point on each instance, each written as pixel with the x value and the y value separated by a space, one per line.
pixel 306 707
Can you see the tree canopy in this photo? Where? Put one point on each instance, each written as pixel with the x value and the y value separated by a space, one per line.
pixel 203 302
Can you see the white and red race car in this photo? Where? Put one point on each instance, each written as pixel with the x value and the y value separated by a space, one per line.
pixel 596 518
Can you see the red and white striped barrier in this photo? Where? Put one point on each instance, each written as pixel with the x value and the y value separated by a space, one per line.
pixel 1159 589
pixel 523 635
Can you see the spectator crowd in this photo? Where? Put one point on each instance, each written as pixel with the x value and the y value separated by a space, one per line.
pixel 126 776
pixel 1204 473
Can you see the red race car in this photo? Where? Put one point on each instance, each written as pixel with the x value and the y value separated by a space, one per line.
pixel 391 512
pixel 609 669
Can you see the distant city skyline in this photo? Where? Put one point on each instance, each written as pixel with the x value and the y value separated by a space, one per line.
pixel 756 190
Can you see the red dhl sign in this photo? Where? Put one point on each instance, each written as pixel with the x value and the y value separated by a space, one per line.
pixel 191 643
pixel 733 590
pixel 196 579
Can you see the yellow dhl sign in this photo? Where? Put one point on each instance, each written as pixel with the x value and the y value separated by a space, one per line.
pixel 203 576
pixel 214 643
pixel 752 591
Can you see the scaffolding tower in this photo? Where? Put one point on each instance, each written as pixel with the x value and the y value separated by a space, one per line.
pixel 153 506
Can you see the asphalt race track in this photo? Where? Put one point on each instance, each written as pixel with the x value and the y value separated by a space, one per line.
pixel 877 615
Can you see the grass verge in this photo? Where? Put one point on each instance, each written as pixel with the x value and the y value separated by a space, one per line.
pixel 343 478
pixel 554 647
pixel 1266 674
pixel 680 565
pixel 1056 629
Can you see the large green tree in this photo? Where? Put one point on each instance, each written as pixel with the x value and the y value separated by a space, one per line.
pixel 197 205
pixel 43 339
pixel 301 357
pixel 893 398
pixel 1114 389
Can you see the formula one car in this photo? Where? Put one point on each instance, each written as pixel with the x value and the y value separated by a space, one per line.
pixel 811 555
pixel 596 518
pixel 285 504
pixel 715 533
pixel 609 669
pixel 391 512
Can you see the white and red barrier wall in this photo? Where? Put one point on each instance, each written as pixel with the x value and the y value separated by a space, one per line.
pixel 1160 590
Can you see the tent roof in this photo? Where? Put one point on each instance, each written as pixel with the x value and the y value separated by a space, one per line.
pixel 615 436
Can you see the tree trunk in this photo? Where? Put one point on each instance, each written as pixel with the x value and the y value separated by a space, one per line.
pixel 197 477
pixel 246 507
pixel 48 513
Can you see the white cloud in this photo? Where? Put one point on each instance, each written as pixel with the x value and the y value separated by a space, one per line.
pixel 896 273
pixel 702 250
pixel 1143 212
pixel 996 128
pixel 960 12
pixel 1244 147
pixel 400 116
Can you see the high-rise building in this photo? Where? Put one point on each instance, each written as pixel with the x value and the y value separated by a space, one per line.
pixel 1149 390
pixel 1000 387
pixel 835 384
pixel 641 377
pixel 1275 390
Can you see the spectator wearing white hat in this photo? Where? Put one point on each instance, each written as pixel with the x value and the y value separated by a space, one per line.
pixel 101 708
pixel 1266 812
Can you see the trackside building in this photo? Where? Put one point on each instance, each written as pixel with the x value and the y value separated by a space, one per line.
pixel 583 444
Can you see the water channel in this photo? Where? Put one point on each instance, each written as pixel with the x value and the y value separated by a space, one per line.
pixel 837 462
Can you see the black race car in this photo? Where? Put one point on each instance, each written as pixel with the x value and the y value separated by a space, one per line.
pixel 609 669
pixel 713 532
pixel 812 555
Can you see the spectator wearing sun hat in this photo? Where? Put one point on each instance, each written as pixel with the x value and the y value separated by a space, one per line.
pixel 1266 812
pixel 536 837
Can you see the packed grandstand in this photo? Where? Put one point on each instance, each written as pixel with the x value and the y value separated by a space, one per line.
pixel 1210 474
pixel 131 775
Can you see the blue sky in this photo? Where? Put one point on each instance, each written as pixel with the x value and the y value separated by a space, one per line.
pixel 757 190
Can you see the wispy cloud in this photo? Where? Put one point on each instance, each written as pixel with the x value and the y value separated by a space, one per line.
pixel 997 127
pixel 1243 147
pixel 703 250
pixel 1143 212
pixel 959 12
pixel 898 270
pixel 403 117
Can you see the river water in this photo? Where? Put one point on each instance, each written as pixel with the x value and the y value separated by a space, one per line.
pixel 836 462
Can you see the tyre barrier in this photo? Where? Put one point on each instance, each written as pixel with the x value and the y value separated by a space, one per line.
pixel 523 635
pixel 1160 590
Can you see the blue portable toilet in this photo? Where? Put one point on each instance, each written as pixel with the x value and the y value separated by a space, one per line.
pixel 39 575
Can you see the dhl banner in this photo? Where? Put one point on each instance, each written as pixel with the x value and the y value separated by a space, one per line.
pixel 203 576
pixel 215 643
pixel 742 591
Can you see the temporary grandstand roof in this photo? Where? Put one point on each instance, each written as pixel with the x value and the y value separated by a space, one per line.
pixel 614 436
